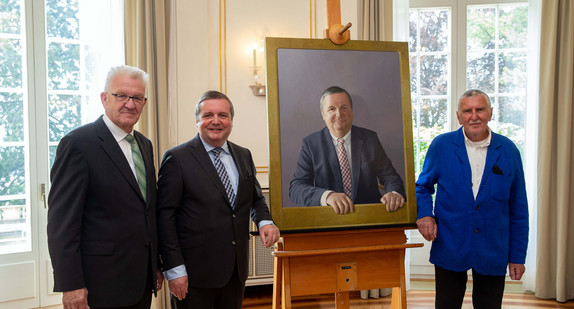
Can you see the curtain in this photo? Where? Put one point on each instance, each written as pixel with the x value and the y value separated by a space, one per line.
pixel 148 38
pixel 376 20
pixel 148 44
pixel 555 269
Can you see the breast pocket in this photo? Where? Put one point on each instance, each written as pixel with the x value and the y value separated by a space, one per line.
pixel 500 188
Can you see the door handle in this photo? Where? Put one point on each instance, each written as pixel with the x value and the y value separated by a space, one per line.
pixel 43 194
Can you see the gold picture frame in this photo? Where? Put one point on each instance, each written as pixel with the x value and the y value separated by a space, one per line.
pixel 376 74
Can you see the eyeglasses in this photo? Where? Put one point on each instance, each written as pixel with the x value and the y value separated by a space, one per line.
pixel 122 98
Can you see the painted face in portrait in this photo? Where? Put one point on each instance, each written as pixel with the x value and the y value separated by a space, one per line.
pixel 125 112
pixel 473 114
pixel 337 113
pixel 214 121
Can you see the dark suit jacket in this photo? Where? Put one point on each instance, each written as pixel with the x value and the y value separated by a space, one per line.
pixel 197 226
pixel 318 169
pixel 101 232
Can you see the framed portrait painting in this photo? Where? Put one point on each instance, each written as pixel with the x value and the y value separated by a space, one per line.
pixel 375 75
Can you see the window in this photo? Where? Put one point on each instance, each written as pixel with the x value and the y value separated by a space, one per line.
pixel 490 54
pixel 57 75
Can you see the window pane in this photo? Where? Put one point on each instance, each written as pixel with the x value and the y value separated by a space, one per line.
pixel 64 111
pixel 480 28
pixel 434 30
pixel 511 110
pixel 11 117
pixel 433 117
pixel 10 16
pixel 512 72
pixel 10 63
pixel 12 171
pixel 62 19
pixel 434 75
pixel 513 26
pixel 63 66
pixel 480 71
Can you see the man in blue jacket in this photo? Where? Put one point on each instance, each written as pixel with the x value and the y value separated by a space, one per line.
pixel 480 215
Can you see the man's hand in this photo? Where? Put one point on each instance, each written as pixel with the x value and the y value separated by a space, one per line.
pixel 76 299
pixel 427 228
pixel 178 287
pixel 341 203
pixel 159 280
pixel 393 201
pixel 516 270
pixel 269 235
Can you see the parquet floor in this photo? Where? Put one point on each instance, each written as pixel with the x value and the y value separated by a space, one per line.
pixel 259 297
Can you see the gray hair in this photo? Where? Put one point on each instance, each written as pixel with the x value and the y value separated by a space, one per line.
pixel 133 72
pixel 472 93
pixel 212 94
pixel 332 90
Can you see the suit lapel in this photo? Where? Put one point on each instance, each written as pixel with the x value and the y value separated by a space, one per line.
pixel 200 154
pixel 357 141
pixel 333 160
pixel 462 155
pixel 492 154
pixel 114 152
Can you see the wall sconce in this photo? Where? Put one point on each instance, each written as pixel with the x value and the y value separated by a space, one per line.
pixel 257 88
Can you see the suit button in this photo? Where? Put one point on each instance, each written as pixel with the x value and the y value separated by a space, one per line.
pixel 233 216
pixel 477 207
pixel 476 230
pixel 233 242
pixel 147 244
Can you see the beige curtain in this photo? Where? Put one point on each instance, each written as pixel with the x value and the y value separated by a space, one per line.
pixel 376 20
pixel 555 262
pixel 147 42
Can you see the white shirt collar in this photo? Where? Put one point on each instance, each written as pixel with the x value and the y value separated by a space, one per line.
pixel 346 138
pixel 208 147
pixel 484 143
pixel 117 132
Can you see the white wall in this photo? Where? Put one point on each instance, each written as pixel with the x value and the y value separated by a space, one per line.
pixel 246 22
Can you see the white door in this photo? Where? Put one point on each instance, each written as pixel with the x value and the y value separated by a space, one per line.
pixel 55 54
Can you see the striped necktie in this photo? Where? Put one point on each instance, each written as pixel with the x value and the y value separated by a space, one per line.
pixel 223 175
pixel 138 163
pixel 345 170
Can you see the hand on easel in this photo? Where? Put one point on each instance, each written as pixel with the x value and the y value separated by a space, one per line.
pixel 341 203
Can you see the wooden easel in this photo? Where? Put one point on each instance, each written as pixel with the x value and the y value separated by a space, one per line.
pixel 339 262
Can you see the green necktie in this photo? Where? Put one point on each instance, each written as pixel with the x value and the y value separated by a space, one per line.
pixel 138 163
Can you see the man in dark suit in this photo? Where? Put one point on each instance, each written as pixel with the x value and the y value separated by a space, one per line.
pixel 101 220
pixel 342 165
pixel 207 190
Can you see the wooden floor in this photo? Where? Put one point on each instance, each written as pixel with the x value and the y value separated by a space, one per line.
pixel 259 297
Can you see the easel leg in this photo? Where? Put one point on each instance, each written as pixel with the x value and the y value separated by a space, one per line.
pixel 286 285
pixel 399 298
pixel 342 300
pixel 277 283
